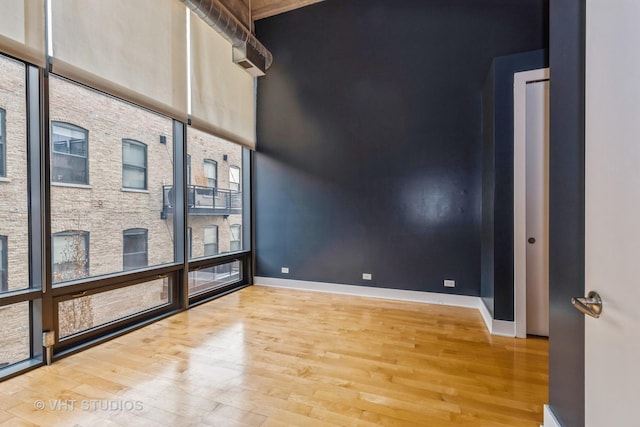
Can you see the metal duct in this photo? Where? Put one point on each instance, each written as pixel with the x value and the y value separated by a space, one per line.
pixel 218 18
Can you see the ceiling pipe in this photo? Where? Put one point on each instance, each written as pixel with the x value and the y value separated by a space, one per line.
pixel 229 27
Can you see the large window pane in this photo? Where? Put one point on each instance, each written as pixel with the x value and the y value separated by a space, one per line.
pixel 15 341
pixel 211 278
pixel 83 313
pixel 129 158
pixel 214 196
pixel 14 212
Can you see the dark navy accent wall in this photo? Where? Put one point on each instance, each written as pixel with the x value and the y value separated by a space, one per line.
pixel 370 135
pixel 497 182
pixel 566 211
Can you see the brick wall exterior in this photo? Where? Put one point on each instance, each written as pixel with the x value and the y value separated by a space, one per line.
pixel 103 208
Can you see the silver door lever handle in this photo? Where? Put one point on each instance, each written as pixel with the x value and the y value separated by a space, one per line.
pixel 591 305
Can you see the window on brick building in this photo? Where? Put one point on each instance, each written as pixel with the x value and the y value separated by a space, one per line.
pixel 235 238
pixel 135 248
pixel 4 282
pixel 211 173
pixel 134 165
pixel 211 240
pixel 70 255
pixel 189 242
pixel 234 178
pixel 3 144
pixel 69 157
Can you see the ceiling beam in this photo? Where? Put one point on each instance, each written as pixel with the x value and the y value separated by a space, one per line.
pixel 265 8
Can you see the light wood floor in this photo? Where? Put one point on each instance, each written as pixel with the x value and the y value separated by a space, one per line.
pixel 271 357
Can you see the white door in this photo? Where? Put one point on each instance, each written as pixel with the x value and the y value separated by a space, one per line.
pixel 537 205
pixel 612 210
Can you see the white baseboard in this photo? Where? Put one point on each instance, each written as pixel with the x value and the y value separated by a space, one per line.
pixel 495 327
pixel 550 419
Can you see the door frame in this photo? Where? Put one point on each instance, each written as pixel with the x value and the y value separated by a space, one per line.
pixel 520 81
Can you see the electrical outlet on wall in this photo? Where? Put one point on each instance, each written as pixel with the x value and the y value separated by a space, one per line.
pixel 367 276
pixel 285 270
pixel 449 283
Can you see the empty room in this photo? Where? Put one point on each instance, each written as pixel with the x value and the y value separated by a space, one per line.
pixel 319 213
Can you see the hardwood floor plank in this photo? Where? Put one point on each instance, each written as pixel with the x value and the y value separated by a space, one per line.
pixel 272 357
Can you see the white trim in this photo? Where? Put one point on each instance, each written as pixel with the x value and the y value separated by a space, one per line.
pixel 495 327
pixel 550 419
pixel 486 316
pixel 520 81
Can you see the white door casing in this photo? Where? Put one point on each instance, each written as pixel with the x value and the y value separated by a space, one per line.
pixel 612 212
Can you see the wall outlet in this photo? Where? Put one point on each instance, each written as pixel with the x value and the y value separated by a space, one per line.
pixel 449 283
pixel 367 276
pixel 285 270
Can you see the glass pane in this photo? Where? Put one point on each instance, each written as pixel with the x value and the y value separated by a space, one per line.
pixel 207 279
pixel 133 177
pixel 14 211
pixel 81 314
pixel 15 341
pixel 103 209
pixel 69 251
pixel 211 160
pixel 133 154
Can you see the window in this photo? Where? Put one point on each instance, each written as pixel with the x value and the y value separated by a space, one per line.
pixel 70 253
pixel 3 144
pixel 235 238
pixel 188 169
pixel 234 178
pixel 69 153
pixel 211 173
pixel 134 248
pixel 211 240
pixel 134 165
pixel 4 282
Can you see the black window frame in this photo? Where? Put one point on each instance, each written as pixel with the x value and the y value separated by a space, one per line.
pixel 59 154
pixel 4 266
pixel 129 166
pixel 70 233
pixel 3 143
pixel 217 243
pixel 135 232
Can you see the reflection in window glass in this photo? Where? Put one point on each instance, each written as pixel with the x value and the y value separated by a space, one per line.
pixel 70 253
pixel 134 252
pixel 14 334
pixel 14 211
pixel 69 154
pixel 211 278
pixel 83 313
pixel 214 199
pixel 129 148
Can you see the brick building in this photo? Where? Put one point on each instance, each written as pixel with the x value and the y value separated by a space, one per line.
pixel 111 202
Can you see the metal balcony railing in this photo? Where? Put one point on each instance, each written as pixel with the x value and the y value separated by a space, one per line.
pixel 204 201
